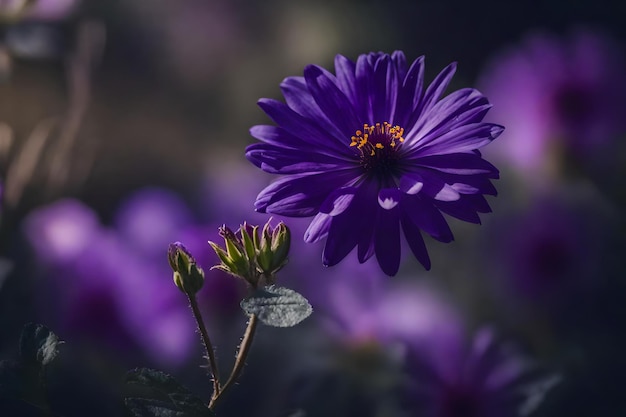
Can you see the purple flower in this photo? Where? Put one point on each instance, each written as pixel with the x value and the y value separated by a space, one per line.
pixel 360 308
pixel 482 378
pixel 62 231
pixel 103 289
pixel 554 252
pixel 369 151
pixel 150 219
pixel 554 95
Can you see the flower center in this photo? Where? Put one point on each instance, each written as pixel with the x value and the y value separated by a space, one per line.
pixel 378 145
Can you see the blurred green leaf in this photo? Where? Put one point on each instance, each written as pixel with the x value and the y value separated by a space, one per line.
pixel 23 382
pixel 277 306
pixel 38 344
pixel 144 407
pixel 172 398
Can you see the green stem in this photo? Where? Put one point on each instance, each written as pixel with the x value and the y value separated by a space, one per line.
pixel 240 360
pixel 208 346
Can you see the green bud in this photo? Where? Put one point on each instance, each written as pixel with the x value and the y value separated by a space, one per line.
pixel 274 248
pixel 252 254
pixel 247 233
pixel 281 243
pixel 235 259
pixel 188 276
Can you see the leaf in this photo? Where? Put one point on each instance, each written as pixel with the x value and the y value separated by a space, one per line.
pixel 174 399
pixel 277 306
pixel 144 407
pixel 38 344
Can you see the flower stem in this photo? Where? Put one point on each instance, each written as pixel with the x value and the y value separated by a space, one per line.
pixel 240 360
pixel 208 346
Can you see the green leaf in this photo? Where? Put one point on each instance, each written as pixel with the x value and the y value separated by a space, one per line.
pixel 38 344
pixel 173 399
pixel 277 306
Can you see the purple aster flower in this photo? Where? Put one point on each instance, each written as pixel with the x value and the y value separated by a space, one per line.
pixel 556 95
pixel 369 152
pixel 483 377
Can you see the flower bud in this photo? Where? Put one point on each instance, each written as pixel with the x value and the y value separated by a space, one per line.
pixel 188 276
pixel 251 254
pixel 236 258
pixel 281 243
pixel 274 248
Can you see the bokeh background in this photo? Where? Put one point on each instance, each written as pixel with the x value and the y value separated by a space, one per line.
pixel 123 126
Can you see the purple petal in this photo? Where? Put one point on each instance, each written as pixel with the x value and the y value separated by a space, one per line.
pixel 411 184
pixel 387 239
pixel 291 161
pixel 399 62
pixel 332 100
pixel 299 98
pixel 384 87
pixel 437 87
pixel 318 228
pixel 338 201
pixel 346 80
pixel 389 198
pixel 428 183
pixel 461 209
pixel 478 202
pixel 413 236
pixel 457 109
pixel 425 216
pixel 468 184
pixel 463 139
pixel 369 211
pixel 459 164
pixel 301 195
pixel 364 74
pixel 463 188
pixel 342 238
pixel 351 226
pixel 303 128
pixel 411 92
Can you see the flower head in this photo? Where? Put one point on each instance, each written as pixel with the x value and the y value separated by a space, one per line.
pixel 557 95
pixel 369 151
pixel 484 377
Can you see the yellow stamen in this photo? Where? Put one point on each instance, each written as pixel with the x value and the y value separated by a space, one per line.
pixel 377 137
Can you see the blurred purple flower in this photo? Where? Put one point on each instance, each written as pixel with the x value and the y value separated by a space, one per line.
pixel 105 290
pixel 62 231
pixel 556 95
pixel 552 251
pixel 483 378
pixel 150 219
pixel 368 152
pixel 359 306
